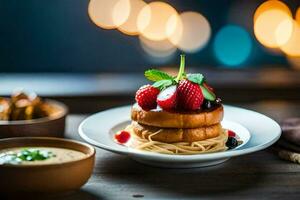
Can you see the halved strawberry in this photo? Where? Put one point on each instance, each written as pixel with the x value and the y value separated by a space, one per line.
pixel 190 95
pixel 146 97
pixel 167 98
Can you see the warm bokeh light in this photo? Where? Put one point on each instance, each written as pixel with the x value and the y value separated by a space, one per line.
pixel 232 45
pixel 273 28
pixel 109 14
pixel 121 12
pixel 284 32
pixel 192 31
pixel 174 29
pixel 271 5
pixel 292 47
pixel 298 15
pixel 157 48
pixel 130 26
pixel 153 19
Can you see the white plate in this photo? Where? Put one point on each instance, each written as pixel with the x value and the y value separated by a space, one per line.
pixel 99 129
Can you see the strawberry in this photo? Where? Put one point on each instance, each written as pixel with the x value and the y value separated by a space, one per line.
pixel 146 97
pixel 190 95
pixel 231 133
pixel 167 98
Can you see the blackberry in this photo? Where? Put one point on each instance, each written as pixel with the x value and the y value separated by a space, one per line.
pixel 232 143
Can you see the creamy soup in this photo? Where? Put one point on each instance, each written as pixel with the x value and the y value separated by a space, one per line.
pixel 38 155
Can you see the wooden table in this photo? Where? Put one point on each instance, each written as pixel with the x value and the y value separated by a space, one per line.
pixel 260 175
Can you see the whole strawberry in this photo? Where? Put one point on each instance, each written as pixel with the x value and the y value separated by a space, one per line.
pixel 146 97
pixel 189 95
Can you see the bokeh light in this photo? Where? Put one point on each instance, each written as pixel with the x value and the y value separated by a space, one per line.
pixel 298 15
pixel 284 32
pixel 192 31
pixel 157 48
pixel 292 47
pixel 106 14
pixel 271 5
pixel 121 12
pixel 153 18
pixel 232 45
pixel 130 25
pixel 273 28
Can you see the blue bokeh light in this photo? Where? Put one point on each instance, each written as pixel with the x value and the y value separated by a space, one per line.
pixel 232 46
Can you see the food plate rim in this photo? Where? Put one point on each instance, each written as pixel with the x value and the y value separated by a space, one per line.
pixel 176 158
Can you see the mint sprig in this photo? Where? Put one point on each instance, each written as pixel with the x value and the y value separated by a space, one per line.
pixel 207 93
pixel 163 84
pixel 163 80
pixel 157 75
pixel 196 78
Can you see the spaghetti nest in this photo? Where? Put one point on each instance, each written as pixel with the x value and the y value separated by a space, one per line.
pixel 198 147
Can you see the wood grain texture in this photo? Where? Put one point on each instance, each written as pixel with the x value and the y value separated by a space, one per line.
pixel 261 175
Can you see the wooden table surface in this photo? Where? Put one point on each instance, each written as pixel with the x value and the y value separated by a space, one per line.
pixel 260 175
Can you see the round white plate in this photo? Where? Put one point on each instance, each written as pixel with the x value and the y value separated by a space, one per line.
pixel 256 130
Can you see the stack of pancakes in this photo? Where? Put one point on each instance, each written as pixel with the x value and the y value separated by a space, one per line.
pixel 171 127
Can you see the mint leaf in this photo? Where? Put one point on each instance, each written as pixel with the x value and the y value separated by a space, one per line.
pixel 196 78
pixel 157 75
pixel 208 94
pixel 162 84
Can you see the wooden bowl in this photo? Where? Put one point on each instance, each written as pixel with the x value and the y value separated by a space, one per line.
pixel 46 178
pixel 51 126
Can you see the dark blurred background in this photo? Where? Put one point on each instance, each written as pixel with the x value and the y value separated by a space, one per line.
pixel 53 47
pixel 58 36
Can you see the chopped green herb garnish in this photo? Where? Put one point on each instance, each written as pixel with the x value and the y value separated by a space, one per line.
pixel 34 154
pixel 30 154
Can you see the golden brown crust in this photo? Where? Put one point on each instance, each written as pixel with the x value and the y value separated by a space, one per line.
pixel 164 119
pixel 171 135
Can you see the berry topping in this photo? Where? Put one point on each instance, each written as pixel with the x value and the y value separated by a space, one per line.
pixel 146 97
pixel 167 98
pixel 207 104
pixel 218 100
pixel 190 95
pixel 122 137
pixel 191 91
pixel 231 133
pixel 232 143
